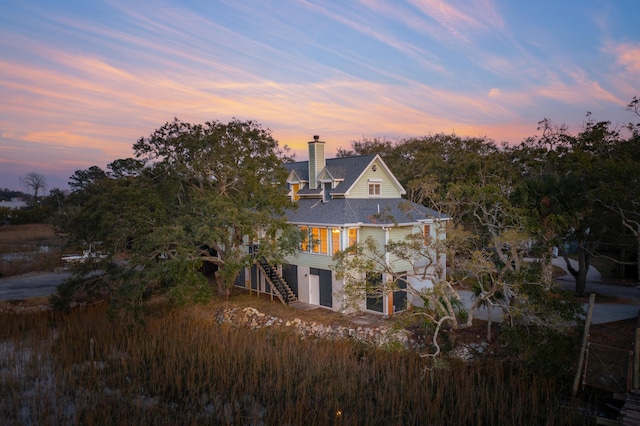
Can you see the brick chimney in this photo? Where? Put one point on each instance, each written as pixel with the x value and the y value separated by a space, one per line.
pixel 316 160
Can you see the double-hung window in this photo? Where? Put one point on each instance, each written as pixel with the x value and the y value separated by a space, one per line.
pixel 375 187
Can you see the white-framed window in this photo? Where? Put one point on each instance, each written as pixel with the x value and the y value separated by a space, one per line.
pixel 335 240
pixel 304 246
pixel 426 234
pixel 374 189
pixel 315 240
pixel 295 187
pixel 353 236
pixel 326 187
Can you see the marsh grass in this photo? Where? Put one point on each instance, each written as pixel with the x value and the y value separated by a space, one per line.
pixel 29 248
pixel 181 367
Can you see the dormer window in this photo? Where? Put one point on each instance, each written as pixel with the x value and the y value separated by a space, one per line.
pixel 375 188
pixel 326 186
pixel 295 187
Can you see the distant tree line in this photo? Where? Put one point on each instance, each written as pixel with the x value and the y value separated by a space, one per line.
pixel 7 194
pixel 37 207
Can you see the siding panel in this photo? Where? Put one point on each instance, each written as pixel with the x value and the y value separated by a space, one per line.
pixel 388 189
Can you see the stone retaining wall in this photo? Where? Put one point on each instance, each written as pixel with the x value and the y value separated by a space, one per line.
pixel 380 336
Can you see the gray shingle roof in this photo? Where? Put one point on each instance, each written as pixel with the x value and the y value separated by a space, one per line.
pixel 342 211
pixel 301 168
pixel 347 169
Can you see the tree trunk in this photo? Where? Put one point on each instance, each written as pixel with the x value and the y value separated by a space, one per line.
pixel 223 291
pixel 580 274
pixel 547 269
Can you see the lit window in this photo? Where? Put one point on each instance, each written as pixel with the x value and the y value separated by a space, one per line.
pixel 353 236
pixel 305 238
pixel 324 240
pixel 374 189
pixel 320 240
pixel 315 240
pixel 295 187
pixel 426 234
pixel 335 240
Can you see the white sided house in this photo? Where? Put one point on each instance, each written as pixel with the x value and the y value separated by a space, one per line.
pixel 343 201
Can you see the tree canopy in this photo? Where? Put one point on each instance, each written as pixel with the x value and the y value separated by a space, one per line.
pixel 556 190
pixel 194 195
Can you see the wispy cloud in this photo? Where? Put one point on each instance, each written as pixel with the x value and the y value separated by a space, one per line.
pixel 628 56
pixel 83 88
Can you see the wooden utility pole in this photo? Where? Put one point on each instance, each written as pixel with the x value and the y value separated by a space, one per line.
pixel 583 347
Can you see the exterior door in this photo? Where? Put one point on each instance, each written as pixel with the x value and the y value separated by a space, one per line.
pixel 314 289
pixel 326 290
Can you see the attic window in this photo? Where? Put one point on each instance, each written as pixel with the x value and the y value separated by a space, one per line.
pixel 374 168
pixel 374 189
pixel 375 186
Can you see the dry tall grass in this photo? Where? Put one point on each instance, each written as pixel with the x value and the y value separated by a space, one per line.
pixel 26 233
pixel 184 368
pixel 29 248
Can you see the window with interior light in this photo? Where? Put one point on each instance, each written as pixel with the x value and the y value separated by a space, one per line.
pixel 320 240
pixel 353 236
pixel 315 240
pixel 335 240
pixel 426 234
pixel 295 187
pixel 304 246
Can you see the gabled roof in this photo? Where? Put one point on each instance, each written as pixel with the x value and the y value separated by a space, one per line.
pixel 326 175
pixel 365 211
pixel 299 169
pixel 345 170
pixel 348 170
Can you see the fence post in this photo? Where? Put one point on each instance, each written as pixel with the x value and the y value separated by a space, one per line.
pixel 585 336
pixel 636 356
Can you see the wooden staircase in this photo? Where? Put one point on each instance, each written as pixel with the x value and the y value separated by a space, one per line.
pixel 277 283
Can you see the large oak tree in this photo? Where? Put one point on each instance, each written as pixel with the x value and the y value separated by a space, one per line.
pixel 195 195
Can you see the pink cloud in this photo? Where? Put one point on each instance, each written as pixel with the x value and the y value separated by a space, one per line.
pixel 628 56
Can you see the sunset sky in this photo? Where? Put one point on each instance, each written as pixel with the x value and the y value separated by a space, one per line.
pixel 81 81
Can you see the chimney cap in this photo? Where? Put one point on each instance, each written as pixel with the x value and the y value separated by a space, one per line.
pixel 316 137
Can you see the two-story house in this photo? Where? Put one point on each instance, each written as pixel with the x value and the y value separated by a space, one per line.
pixel 343 201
